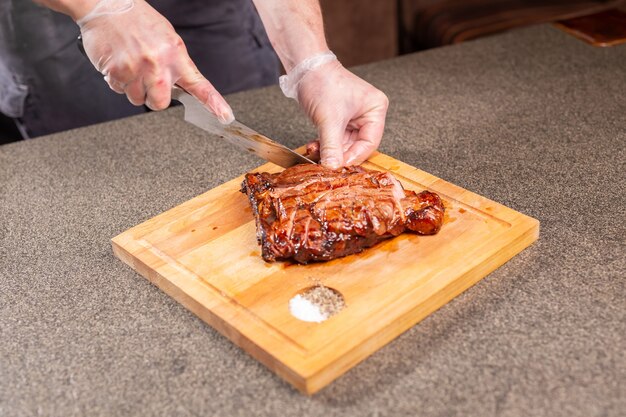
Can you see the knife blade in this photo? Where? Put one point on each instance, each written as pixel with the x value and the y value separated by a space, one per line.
pixel 237 133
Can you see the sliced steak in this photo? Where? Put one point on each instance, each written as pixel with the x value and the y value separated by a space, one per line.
pixel 311 213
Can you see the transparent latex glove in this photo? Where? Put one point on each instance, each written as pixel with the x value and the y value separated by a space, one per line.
pixel 140 55
pixel 348 112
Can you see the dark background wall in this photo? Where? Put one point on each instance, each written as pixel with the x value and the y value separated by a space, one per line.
pixel 361 31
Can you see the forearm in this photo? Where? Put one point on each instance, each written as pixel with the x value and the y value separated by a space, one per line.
pixel 295 28
pixel 73 8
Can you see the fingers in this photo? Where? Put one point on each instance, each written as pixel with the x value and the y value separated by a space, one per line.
pixel 313 151
pixel 370 127
pixel 347 146
pixel 118 73
pixel 195 84
pixel 154 94
pixel 368 139
pixel 136 92
pixel 145 69
pixel 349 114
pixel 331 143
pixel 114 84
pixel 359 152
pixel 158 91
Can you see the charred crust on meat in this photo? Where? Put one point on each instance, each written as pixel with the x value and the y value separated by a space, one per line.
pixel 309 213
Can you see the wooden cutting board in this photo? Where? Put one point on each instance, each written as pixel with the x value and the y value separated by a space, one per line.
pixel 204 254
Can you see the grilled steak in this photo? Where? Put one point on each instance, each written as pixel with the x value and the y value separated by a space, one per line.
pixel 311 213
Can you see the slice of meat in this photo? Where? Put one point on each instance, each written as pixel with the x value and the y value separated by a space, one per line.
pixel 311 213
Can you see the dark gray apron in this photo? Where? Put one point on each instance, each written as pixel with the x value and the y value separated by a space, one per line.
pixel 47 86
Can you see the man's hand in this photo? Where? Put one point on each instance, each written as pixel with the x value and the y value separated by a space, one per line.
pixel 349 114
pixel 139 53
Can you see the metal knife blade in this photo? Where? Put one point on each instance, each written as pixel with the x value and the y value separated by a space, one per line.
pixel 237 133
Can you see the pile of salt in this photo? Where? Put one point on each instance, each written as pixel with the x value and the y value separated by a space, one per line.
pixel 316 304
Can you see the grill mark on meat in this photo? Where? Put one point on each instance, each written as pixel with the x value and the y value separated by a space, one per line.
pixel 311 213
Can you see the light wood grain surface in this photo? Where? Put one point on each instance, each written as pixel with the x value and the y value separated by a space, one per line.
pixel 204 254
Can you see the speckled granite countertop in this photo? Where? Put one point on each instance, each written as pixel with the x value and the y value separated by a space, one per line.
pixel 533 119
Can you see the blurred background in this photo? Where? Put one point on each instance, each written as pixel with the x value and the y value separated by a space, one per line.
pixel 364 31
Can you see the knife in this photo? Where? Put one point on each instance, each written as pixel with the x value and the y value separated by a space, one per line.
pixel 236 133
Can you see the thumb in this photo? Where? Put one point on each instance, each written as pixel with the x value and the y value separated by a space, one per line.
pixel 331 134
pixel 195 84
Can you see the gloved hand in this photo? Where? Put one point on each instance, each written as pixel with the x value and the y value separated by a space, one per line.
pixel 140 55
pixel 349 113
